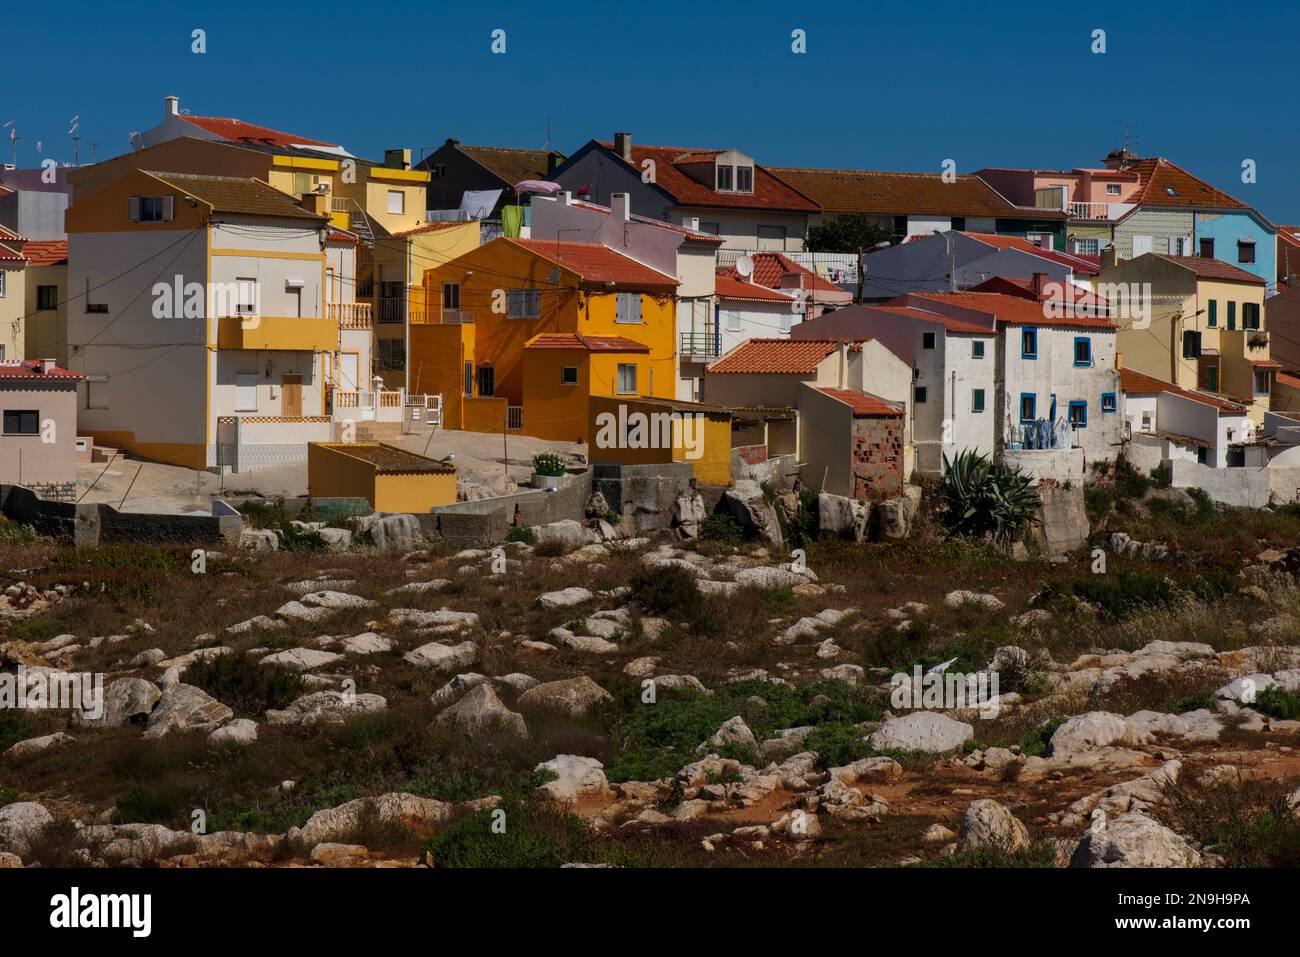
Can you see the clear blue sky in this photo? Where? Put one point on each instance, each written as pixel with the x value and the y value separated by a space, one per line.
pixel 882 86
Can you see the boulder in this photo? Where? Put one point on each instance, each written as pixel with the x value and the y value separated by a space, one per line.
pixel 34 746
pixel 21 823
pixel 366 643
pixel 573 697
pixel 988 823
pixel 746 504
pixel 1087 732
pixel 1132 840
pixel 126 700
pixel 891 519
pixel 184 707
pixel 391 530
pixel 419 814
pixel 326 707
pixel 922 731
pixel 689 514
pixel 732 731
pixel 842 517
pixel 563 536
pixel 481 712
pixel 442 657
pixel 563 598
pixel 301 659
pixel 240 731
pixel 955 599
pixel 574 776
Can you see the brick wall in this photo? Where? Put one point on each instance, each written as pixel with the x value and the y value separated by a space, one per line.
pixel 877 456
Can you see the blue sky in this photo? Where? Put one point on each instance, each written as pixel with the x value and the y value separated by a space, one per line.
pixel 899 86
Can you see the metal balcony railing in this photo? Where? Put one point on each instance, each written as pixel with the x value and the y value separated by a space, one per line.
pixel 699 344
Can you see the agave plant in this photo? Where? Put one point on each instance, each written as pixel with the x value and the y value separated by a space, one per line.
pixel 986 499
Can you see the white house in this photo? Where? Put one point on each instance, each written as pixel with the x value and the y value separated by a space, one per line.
pixel 1166 423
pixel 1027 381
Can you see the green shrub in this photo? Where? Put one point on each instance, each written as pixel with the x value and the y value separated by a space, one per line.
pixel 1162 475
pixel 1203 699
pixel 295 539
pixel 244 684
pixel 982 498
pixel 1034 742
pixel 1039 854
pixel 9 795
pixel 549 463
pixel 669 591
pixel 523 534
pixel 837 744
pixel 1277 702
pixel 721 527
pixel 1097 502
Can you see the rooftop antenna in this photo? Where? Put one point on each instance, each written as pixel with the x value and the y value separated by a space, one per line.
pixel 13 140
pixel 94 153
pixel 1130 139
pixel 74 130
pixel 547 145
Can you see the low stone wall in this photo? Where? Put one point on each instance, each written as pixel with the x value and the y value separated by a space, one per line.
pixel 90 523
pixel 645 494
pixel 1245 487
pixel 485 522
pixel 1061 465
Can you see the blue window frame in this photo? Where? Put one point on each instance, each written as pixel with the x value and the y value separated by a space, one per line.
pixel 1028 407
pixel 1108 402
pixel 1029 343
pixel 1078 413
pixel 1082 351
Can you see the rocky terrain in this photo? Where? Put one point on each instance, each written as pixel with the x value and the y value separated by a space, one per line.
pixel 580 698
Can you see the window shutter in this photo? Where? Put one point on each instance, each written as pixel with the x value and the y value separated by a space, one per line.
pixel 636 308
pixel 168 206
pixel 620 308
pixel 133 209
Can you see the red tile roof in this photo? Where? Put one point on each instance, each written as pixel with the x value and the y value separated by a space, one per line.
pixel 428 228
pixel 732 287
pixel 573 340
pixel 771 267
pixel 770 192
pixel 948 322
pixel 864 403
pixel 1054 291
pixel 598 264
pixel 1010 310
pixel 1159 176
pixel 1133 381
pixel 31 369
pixel 1213 269
pixel 1081 264
pixel 43 252
pixel 237 131
pixel 778 356
pixel 1289 379
pixel 893 194
pixel 1266 364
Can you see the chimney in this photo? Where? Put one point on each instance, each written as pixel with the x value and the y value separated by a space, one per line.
pixel 623 145
pixel 171 106
pixel 567 197
pixel 317 203
pixel 553 161
pixel 692 223
pixel 843 364
pixel 1108 257
pixel 397 159
pixel 619 205
pixel 1039 279
pixel 1045 242
pixel 48 365
pixel 1119 361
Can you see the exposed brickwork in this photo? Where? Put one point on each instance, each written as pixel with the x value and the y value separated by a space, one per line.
pixel 752 454
pixel 877 456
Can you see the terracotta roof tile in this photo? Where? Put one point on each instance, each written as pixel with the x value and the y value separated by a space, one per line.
pixel 428 228
pixel 896 194
pixel 728 286
pixel 771 267
pixel 238 131
pixel 864 403
pixel 31 369
pixel 45 252
pixel 1159 177
pixel 598 264
pixel 574 340
pixel 948 322
pixel 1080 264
pixel 1213 269
pixel 237 194
pixel 770 192
pixel 778 356
pixel 1133 381
pixel 1009 310
pixel 511 166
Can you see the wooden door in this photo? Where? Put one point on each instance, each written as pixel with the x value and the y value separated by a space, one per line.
pixel 291 395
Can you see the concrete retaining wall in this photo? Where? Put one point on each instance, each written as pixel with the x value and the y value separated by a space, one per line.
pixel 1246 487
pixel 89 524
pixel 485 522
pixel 1062 465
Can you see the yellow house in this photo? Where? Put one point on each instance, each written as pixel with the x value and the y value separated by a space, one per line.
pixel 390 478
pixel 13 295
pixel 519 333
pixel 646 431
pixel 1195 322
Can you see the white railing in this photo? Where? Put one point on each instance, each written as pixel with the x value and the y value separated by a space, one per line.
pixel 424 408
pixel 368 406
pixel 340 204
pixel 350 315
pixel 1099 211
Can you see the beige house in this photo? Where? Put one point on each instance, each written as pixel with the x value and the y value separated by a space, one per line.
pixel 203 315
pixel 1195 322
pixel 45 331
pixel 38 437
pixel 13 294
pixel 841 407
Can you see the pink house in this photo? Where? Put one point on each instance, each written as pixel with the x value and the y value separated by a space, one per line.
pixel 1086 194
pixel 38 441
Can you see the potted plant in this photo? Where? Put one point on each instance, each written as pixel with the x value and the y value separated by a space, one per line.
pixel 548 469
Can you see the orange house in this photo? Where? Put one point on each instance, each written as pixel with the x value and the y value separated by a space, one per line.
pixel 519 333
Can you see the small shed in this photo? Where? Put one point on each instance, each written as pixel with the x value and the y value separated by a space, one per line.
pixel 390 478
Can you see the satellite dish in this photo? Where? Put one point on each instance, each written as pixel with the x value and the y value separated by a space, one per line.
pixel 745 265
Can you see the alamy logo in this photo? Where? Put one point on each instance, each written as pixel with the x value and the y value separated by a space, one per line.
pixel 179 299
pixel 651 430
pixel 937 690
pixel 74 910
pixel 57 690
pixel 1126 303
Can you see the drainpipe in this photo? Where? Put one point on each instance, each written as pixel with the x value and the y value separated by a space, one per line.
pixel 406 362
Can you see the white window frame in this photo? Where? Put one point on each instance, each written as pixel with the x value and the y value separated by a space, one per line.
pixel 246 296
pixel 627 308
pixel 1087 246
pixel 1112 189
pixel 397 197
pixel 743 189
pixel 3 274
pixel 97 392
pixel 730 172
pixel 626 371
pixel 523 303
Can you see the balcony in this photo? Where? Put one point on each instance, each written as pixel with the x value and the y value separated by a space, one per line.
pixel 392 309
pixel 444 317
pixel 285 333
pixel 699 346
pixel 1102 212
pixel 350 315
